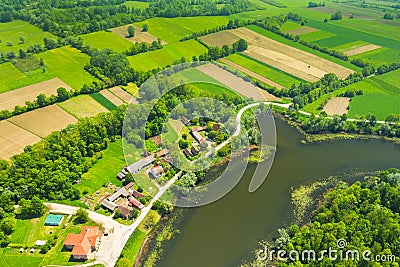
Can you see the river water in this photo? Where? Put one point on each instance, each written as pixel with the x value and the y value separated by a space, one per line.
pixel 225 232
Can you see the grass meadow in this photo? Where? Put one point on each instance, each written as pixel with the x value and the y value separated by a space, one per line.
pixel 104 170
pixel 315 36
pixel 173 29
pixel 380 56
pixel 82 106
pixel 12 31
pixel 136 4
pixel 68 64
pixel 167 55
pixel 381 96
pixel 102 40
pixel 12 78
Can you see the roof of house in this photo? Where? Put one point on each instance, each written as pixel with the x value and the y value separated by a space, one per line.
pixel 138 194
pixel 136 203
pixel 84 241
pixel 185 120
pixel 157 170
pixel 198 128
pixel 125 210
pixel 198 136
pixel 109 205
pixel 121 192
pixel 162 153
pixel 141 164
pixel 129 186
pixel 187 152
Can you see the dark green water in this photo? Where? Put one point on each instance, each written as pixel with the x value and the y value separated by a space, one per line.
pixel 225 232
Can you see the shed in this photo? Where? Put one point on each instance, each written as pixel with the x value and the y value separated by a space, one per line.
pixel 40 242
pixel 109 205
pixel 54 220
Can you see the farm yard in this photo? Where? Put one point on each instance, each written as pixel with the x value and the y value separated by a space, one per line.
pixel 44 121
pixel 13 139
pixel 11 32
pixel 19 96
pixel 68 64
pixel 103 39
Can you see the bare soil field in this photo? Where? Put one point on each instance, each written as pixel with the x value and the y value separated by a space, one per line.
pixel 14 139
pixel 44 121
pixel 220 38
pixel 235 83
pixel 139 35
pixel 337 106
pixel 361 49
pixel 122 94
pixel 280 55
pixel 113 98
pixel 251 73
pixel 18 97
pixel 302 30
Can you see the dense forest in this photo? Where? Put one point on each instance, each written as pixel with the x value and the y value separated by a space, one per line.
pixel 365 214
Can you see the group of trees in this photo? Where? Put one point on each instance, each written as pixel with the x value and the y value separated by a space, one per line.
pixel 313 4
pixel 215 52
pixel 366 214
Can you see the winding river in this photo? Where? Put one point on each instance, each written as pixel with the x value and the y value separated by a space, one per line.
pixel 225 232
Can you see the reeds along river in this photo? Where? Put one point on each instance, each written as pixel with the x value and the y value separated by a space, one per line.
pixel 225 232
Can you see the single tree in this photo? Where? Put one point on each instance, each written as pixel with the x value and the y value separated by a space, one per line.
pixel 81 216
pixel 131 31
pixel 145 28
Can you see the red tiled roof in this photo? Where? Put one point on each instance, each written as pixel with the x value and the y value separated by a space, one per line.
pixel 82 248
pixel 84 241
pixel 73 239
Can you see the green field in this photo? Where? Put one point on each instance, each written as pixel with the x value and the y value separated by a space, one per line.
pixel 11 257
pixel 301 47
pixel 82 106
pixel 102 100
pixel 262 69
pixel 167 55
pixel 289 25
pixel 317 35
pixel 379 56
pixel 11 31
pixel 137 4
pixel 350 45
pixel 214 89
pixel 173 29
pixel 381 96
pixel 133 246
pixel 104 39
pixel 68 63
pixel 104 170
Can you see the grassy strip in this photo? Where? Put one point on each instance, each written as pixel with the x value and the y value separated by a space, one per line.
pixel 297 45
pixel 102 100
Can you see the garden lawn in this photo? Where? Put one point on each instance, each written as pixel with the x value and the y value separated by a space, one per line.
pixel 11 31
pixel 68 64
pixel 104 170
pixel 173 29
pixel 102 40
pixel 167 55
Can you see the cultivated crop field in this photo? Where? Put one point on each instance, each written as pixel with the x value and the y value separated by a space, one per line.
pixel 277 76
pixel 337 106
pixel 289 59
pixel 361 49
pixel 68 64
pixel 82 106
pixel 11 32
pixel 122 94
pixel 140 36
pixel 44 121
pixel 235 83
pixel 111 97
pixel 102 40
pixel 379 56
pixel 220 38
pixel 14 139
pixel 19 96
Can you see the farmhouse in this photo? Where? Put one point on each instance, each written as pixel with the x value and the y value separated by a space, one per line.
pixel 198 137
pixel 84 243
pixel 139 165
pixel 125 211
pixel 134 202
pixel 156 171
pixel 54 220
